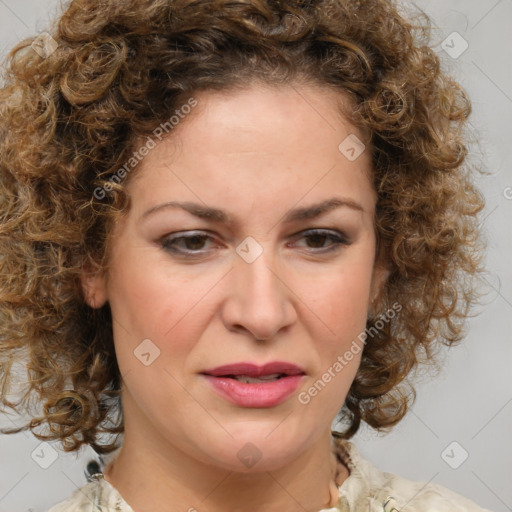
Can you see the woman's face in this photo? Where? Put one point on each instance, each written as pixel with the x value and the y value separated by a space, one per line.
pixel 252 282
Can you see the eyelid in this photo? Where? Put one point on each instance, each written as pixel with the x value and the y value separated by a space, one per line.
pixel 184 235
pixel 339 238
pixel 333 233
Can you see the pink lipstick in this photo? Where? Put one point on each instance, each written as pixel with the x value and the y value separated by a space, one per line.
pixel 250 385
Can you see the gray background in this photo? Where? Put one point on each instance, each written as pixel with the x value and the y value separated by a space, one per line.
pixel 470 402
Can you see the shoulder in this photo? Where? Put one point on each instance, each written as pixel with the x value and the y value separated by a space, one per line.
pixel 96 496
pixel 84 499
pixel 406 495
pixel 378 490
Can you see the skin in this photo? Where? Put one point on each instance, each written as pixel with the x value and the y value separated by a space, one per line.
pixel 257 154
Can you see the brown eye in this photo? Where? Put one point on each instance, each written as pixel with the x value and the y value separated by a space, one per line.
pixel 317 238
pixel 186 244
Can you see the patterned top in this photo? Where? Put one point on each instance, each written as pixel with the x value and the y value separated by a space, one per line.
pixel 366 489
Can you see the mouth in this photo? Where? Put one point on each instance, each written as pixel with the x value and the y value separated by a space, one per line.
pixel 251 380
pixel 246 391
pixel 250 385
pixel 250 372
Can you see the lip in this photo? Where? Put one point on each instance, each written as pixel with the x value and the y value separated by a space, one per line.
pixel 253 370
pixel 264 394
pixel 260 394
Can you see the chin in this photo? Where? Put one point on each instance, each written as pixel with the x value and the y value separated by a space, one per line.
pixel 254 452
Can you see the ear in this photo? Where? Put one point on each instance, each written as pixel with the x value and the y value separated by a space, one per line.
pixel 379 277
pixel 94 286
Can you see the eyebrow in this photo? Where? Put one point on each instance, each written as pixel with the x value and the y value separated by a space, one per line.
pixel 221 216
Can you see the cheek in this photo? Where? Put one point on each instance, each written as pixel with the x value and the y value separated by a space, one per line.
pixel 343 308
pixel 341 302
pixel 342 299
pixel 149 301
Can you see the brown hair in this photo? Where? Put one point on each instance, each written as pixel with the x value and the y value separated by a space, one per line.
pixel 69 122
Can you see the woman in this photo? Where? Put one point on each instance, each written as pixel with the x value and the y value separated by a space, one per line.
pixel 224 224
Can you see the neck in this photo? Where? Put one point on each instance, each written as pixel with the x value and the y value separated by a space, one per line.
pixel 153 474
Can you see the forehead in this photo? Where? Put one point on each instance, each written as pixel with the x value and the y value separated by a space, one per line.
pixel 260 140
pixel 255 115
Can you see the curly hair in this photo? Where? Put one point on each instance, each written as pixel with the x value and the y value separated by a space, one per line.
pixel 116 70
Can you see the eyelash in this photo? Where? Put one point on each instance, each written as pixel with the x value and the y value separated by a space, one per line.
pixel 337 237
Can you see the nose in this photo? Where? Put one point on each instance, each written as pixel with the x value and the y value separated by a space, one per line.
pixel 260 301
